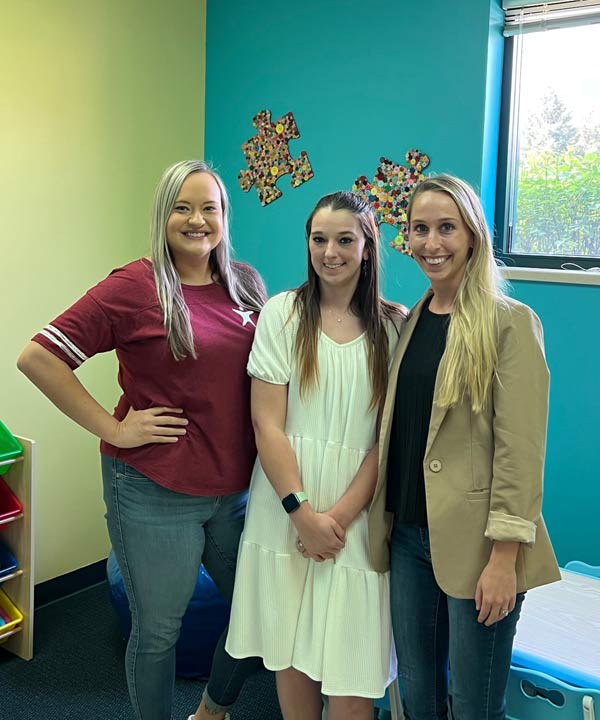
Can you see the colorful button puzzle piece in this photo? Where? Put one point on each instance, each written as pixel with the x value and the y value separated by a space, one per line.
pixel 390 190
pixel 268 157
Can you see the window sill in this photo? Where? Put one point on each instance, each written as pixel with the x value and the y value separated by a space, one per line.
pixel 549 275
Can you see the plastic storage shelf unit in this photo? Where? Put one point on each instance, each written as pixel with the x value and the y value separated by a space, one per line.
pixel 8 562
pixel 14 614
pixel 10 505
pixel 10 448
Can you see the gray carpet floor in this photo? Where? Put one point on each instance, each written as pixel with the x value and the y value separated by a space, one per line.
pixel 77 671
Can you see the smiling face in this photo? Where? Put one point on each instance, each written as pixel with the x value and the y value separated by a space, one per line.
pixel 195 225
pixel 336 244
pixel 440 240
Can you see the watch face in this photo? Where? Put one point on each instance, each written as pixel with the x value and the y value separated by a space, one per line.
pixel 290 503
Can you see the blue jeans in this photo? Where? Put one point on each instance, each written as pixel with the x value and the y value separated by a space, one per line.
pixel 160 537
pixel 435 633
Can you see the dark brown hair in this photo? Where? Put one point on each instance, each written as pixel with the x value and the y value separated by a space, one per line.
pixel 366 302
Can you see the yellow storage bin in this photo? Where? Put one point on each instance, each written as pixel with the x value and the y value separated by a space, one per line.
pixel 13 613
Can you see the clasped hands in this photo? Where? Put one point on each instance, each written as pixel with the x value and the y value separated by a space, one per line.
pixel 320 535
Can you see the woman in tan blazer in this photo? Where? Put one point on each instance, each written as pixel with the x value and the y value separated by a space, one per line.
pixel 462 447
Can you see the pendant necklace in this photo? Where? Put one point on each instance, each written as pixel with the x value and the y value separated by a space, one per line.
pixel 337 317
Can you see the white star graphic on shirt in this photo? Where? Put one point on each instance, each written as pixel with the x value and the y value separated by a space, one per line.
pixel 245 315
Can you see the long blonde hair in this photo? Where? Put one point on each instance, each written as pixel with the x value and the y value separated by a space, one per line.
pixel 242 282
pixel 366 303
pixel 471 354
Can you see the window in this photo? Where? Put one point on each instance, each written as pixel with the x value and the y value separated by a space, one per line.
pixel 549 166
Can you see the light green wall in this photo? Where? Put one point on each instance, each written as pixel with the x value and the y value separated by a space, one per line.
pixel 96 100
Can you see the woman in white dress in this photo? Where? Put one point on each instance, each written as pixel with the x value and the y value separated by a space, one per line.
pixel 307 599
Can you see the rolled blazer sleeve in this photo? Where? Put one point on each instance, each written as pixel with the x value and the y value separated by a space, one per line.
pixel 520 416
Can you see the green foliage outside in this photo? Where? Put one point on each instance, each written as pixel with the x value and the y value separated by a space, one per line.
pixel 558 205
pixel 558 200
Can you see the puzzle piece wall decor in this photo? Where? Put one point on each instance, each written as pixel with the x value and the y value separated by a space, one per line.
pixel 390 190
pixel 268 157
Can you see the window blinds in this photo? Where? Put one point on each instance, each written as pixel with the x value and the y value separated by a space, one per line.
pixel 524 16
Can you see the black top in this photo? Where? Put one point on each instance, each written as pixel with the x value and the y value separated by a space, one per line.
pixel 412 413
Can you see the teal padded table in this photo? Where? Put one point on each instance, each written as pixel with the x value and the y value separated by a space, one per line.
pixel 559 630
pixel 556 654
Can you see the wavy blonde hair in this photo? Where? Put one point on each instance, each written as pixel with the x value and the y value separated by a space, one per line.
pixel 243 283
pixel 471 354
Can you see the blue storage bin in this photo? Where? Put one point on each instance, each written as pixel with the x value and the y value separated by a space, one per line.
pixel 8 562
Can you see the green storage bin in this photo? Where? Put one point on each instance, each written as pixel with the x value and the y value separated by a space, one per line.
pixel 10 448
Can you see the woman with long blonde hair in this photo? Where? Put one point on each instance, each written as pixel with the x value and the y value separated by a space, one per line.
pixel 178 450
pixel 307 599
pixel 462 452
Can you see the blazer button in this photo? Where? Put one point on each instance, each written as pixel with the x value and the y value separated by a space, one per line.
pixel 435 466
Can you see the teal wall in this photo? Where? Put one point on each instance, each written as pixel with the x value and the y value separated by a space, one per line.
pixel 370 79
pixel 570 315
pixel 363 80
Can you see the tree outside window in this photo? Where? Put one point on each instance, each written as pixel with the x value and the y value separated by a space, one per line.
pixel 557 203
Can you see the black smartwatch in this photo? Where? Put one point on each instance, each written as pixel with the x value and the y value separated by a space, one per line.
pixel 293 501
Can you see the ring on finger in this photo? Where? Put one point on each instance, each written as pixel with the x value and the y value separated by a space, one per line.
pixel 504 612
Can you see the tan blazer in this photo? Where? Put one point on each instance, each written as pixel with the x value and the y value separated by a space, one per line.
pixel 484 471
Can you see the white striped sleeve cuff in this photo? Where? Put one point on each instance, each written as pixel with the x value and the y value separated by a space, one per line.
pixel 62 341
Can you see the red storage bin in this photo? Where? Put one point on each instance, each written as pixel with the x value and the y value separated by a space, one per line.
pixel 10 506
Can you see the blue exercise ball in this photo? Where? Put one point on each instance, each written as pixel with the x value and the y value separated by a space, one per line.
pixel 205 619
